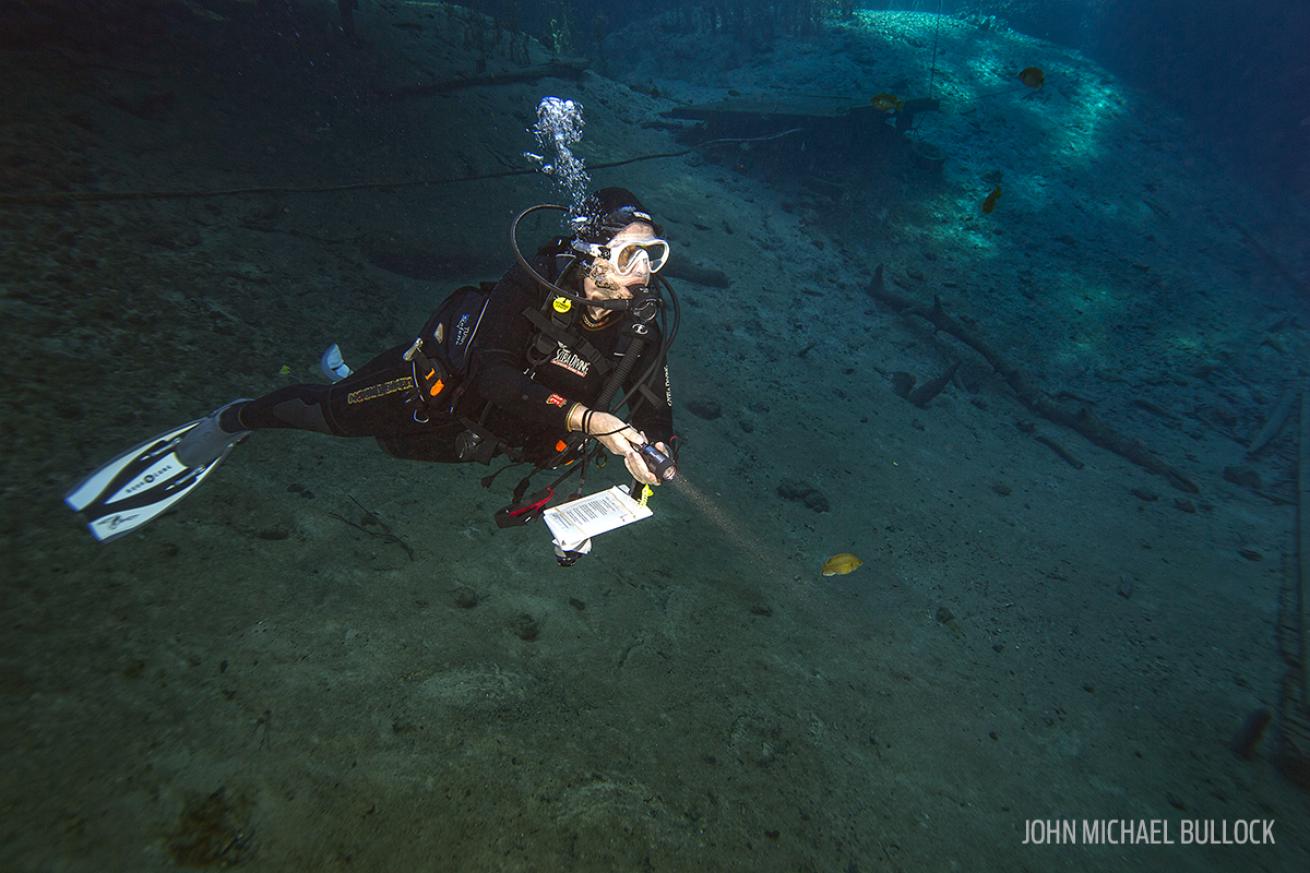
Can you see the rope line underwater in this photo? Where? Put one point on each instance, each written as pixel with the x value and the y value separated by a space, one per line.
pixel 67 198
pixel 936 30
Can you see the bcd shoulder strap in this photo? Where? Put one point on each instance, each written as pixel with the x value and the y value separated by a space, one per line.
pixel 552 333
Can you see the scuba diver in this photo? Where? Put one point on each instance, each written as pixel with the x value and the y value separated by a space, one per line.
pixel 526 368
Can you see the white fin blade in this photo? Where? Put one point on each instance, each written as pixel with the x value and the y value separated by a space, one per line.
pixel 94 485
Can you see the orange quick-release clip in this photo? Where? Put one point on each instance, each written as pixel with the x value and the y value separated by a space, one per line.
pixel 437 386
pixel 560 446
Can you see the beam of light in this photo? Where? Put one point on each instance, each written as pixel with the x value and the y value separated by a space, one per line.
pixel 769 559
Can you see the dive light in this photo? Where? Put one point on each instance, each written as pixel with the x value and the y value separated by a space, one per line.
pixel 659 463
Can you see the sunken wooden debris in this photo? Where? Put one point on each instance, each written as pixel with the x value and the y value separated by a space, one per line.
pixel 1067 456
pixel 371 520
pixel 924 394
pixel 1273 426
pixel 1083 420
pixel 563 68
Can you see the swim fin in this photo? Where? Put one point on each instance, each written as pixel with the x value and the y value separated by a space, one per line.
pixel 333 365
pixel 141 484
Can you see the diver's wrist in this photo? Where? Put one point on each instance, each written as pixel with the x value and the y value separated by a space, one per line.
pixel 574 418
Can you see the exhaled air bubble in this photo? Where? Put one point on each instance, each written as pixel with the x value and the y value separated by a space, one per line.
pixel 558 128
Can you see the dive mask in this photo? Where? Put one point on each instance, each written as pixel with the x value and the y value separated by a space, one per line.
pixel 624 255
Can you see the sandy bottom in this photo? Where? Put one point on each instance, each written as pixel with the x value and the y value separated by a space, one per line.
pixel 285 673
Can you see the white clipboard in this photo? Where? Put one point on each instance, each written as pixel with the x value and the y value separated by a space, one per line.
pixel 577 521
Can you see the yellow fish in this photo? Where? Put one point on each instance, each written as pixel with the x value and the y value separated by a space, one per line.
pixel 885 102
pixel 1033 77
pixel 840 565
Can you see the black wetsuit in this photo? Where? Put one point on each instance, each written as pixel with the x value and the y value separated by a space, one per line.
pixel 527 411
